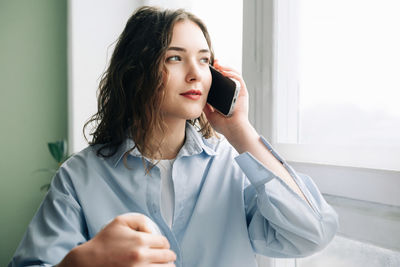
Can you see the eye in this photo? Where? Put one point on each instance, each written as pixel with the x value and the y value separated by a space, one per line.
pixel 174 58
pixel 205 60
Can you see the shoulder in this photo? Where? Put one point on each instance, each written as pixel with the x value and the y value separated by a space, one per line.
pixel 85 157
pixel 79 167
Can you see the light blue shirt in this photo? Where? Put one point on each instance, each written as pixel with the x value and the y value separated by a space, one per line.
pixel 227 207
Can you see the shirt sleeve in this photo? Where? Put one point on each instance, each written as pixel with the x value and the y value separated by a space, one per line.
pixel 280 222
pixel 56 228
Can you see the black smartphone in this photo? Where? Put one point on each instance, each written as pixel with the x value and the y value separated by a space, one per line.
pixel 223 92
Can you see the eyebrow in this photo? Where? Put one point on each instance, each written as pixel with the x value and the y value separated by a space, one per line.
pixel 181 49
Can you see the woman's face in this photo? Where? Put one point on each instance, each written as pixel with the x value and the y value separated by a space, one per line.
pixel 189 78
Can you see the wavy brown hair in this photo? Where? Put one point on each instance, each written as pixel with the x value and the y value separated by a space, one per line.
pixel 130 90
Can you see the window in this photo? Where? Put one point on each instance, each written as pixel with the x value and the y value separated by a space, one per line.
pixel 282 96
pixel 337 84
pixel 225 28
pixel 349 72
pixel 272 71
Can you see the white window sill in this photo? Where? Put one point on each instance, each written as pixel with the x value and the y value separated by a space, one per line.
pixel 370 185
pixel 368 222
pixel 346 252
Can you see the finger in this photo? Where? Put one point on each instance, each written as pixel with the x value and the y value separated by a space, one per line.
pixel 155 241
pixel 206 110
pixel 237 77
pixel 227 69
pixel 232 74
pixel 159 255
pixel 224 68
pixel 210 113
pixel 135 221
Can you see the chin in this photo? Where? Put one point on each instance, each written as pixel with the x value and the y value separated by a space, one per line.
pixel 193 116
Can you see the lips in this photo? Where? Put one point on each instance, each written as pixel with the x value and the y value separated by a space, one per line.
pixel 192 94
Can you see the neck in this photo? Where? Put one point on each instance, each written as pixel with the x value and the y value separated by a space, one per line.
pixel 172 139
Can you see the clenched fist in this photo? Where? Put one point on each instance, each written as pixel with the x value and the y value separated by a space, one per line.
pixel 127 241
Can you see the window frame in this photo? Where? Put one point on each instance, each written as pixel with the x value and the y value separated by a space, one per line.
pixel 354 163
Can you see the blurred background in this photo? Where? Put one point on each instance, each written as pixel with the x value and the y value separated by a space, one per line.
pixel 33 108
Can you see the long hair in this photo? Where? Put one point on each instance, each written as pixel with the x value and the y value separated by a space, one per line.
pixel 130 90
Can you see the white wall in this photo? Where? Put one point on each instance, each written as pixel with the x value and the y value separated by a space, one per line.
pixel 94 25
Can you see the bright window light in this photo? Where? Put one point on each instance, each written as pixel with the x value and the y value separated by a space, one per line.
pixel 349 72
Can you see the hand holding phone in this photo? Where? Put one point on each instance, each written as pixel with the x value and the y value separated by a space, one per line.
pixel 223 92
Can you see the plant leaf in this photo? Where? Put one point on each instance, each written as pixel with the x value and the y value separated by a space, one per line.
pixel 58 150
pixel 45 187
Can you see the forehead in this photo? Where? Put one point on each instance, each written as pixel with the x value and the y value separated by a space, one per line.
pixel 188 34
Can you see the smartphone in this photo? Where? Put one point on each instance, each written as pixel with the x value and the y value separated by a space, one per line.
pixel 223 92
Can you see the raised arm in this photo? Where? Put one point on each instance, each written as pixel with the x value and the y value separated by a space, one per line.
pixel 241 134
pixel 286 214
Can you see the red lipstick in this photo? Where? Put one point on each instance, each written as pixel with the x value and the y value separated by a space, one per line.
pixel 192 94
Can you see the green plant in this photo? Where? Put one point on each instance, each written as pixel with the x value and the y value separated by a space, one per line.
pixel 59 152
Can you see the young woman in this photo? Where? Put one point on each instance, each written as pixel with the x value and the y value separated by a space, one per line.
pixel 217 200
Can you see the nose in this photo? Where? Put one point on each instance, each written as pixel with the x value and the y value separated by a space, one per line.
pixel 193 72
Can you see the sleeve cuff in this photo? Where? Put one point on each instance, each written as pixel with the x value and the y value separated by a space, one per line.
pixel 259 175
pixel 255 171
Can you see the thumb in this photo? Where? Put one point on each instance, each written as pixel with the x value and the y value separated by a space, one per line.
pixel 135 221
pixel 140 222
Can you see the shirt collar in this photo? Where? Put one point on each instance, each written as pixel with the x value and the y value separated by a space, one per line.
pixel 194 144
